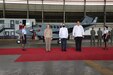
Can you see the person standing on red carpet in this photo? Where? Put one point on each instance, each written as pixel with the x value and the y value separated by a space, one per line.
pixel 63 34
pixel 106 37
pixel 48 37
pixel 24 39
pixel 92 41
pixel 99 39
pixel 78 33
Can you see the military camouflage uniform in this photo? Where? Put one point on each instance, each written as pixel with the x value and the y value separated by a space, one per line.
pixel 99 33
pixel 92 32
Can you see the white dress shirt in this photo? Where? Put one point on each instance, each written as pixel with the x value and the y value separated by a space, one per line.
pixel 63 33
pixel 24 31
pixel 105 31
pixel 78 31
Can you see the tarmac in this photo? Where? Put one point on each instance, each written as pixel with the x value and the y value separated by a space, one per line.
pixel 77 67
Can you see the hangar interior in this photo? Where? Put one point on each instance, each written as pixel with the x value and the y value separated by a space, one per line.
pixel 57 10
pixel 54 11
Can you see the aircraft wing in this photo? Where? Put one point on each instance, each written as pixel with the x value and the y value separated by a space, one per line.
pixel 29 31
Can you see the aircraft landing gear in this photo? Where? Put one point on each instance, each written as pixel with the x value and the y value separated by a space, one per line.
pixel 59 41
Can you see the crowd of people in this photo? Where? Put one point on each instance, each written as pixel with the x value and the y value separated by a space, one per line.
pixel 104 35
pixel 78 34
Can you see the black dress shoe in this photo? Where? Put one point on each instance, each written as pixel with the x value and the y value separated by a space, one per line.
pixel 24 49
pixel 65 50
pixel 78 50
pixel 105 48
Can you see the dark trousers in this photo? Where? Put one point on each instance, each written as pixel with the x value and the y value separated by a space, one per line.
pixel 24 39
pixel 78 42
pixel 105 40
pixel 92 40
pixel 99 41
pixel 63 44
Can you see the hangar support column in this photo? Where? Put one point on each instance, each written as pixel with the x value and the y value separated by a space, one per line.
pixel 3 8
pixel 84 8
pixel 28 9
pixel 104 12
pixel 42 11
pixel 64 11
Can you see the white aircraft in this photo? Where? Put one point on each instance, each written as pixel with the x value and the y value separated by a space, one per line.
pixel 86 23
pixel 39 29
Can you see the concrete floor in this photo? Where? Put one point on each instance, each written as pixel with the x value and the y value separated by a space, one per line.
pixel 77 67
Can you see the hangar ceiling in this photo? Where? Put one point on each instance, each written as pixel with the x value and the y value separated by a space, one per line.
pixel 54 9
pixel 57 5
pixel 60 2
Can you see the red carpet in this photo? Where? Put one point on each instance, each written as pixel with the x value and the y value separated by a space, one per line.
pixel 39 54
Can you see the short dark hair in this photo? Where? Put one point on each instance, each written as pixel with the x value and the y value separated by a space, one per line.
pixel 106 27
pixel 63 26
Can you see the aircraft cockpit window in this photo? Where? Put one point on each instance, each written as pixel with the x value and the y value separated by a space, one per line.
pixel 54 26
pixel 57 27
pixel 40 26
pixel 1 21
pixel 51 26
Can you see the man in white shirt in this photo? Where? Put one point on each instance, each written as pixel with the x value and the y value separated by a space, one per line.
pixel 78 33
pixel 63 34
pixel 24 32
